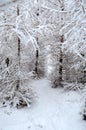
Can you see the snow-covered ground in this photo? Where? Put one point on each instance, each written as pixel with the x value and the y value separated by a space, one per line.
pixel 54 109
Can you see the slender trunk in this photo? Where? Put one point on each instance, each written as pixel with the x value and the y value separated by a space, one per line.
pixel 19 44
pixel 36 64
pixel 7 61
pixel 61 53
pixel 59 76
pixel 18 84
pixel 37 58
pixel 61 59
pixel 58 81
pixel 19 50
pixel 37 51
pixel 19 47
pixel 60 66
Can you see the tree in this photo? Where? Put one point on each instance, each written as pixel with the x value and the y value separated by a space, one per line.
pixel 69 16
pixel 76 38
pixel 58 12
pixel 14 91
pixel 21 34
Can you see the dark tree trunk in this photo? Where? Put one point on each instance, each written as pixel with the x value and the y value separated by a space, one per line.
pixel 7 61
pixel 36 64
pixel 19 51
pixel 18 40
pixel 37 61
pixel 61 59
pixel 60 66
pixel 58 81
pixel 19 44
pixel 37 51
pixel 19 47
pixel 18 84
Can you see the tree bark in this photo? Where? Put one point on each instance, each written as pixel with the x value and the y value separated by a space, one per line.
pixel 61 53
pixel 61 59
pixel 37 58
pixel 37 51
pixel 36 64
pixel 60 66
pixel 19 51
pixel 7 61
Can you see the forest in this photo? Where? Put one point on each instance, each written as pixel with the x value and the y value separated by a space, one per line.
pixel 43 63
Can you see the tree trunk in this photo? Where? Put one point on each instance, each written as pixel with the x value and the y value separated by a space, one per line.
pixel 60 66
pixel 18 84
pixel 61 60
pixel 36 63
pixel 58 79
pixel 18 41
pixel 7 61
pixel 19 49
pixel 37 51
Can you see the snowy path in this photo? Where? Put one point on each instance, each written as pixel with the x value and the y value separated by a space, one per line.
pixel 54 109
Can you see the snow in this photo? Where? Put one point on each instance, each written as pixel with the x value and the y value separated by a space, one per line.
pixel 53 109
pixel 4 4
pixel 5 1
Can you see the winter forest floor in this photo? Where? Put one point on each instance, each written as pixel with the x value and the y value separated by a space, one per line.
pixel 54 109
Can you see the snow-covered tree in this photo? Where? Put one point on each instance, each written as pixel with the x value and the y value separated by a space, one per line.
pixel 66 17
pixel 75 37
pixel 14 90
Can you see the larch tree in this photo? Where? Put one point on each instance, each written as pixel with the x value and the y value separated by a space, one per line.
pixel 14 91
pixel 75 38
